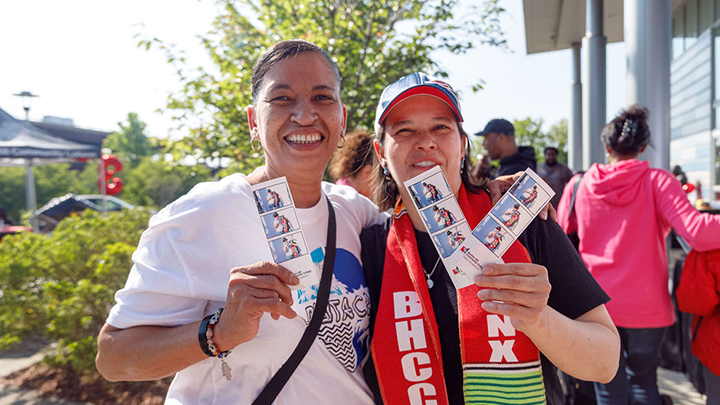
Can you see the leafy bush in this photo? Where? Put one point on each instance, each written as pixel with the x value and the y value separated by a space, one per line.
pixel 62 286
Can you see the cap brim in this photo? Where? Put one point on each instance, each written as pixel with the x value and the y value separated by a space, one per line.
pixel 422 90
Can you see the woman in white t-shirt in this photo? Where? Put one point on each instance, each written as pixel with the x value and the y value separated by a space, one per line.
pixel 205 251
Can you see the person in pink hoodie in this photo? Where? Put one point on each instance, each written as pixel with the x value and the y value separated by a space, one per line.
pixel 624 211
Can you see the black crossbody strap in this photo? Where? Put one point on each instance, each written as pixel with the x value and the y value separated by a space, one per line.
pixel 273 387
pixel 575 189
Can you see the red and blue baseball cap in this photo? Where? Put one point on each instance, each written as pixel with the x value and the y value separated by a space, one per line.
pixel 416 84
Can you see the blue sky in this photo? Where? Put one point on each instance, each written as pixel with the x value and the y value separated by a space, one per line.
pixel 81 58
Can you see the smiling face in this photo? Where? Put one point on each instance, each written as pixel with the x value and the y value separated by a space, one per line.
pixel 419 133
pixel 298 116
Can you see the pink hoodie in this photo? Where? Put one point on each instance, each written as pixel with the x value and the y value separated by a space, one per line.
pixel 624 212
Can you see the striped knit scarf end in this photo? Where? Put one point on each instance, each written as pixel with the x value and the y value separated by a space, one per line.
pixel 503 383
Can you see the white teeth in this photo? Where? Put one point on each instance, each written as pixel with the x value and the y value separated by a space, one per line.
pixel 303 138
pixel 425 163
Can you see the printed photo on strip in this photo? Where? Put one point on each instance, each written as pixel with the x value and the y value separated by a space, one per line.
pixel 442 215
pixel 530 193
pixel 272 198
pixel 449 240
pixel 430 190
pixel 280 222
pixel 491 234
pixel 512 214
pixel 288 247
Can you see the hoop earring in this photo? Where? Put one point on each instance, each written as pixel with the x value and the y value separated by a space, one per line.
pixel 252 145
pixel 342 136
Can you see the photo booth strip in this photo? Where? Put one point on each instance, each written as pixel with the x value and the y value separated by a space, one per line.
pixel 283 232
pixel 464 254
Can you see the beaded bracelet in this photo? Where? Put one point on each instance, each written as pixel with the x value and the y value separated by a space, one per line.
pixel 207 331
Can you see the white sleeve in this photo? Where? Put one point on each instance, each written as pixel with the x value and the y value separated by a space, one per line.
pixel 184 258
pixel 158 290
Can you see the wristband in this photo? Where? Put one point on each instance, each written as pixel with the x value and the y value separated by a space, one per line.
pixel 206 332
pixel 202 338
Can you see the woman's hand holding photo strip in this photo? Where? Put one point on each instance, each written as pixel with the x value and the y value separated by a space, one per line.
pixel 286 241
pixel 464 252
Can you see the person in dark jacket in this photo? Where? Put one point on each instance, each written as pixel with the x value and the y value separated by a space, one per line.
pixel 499 141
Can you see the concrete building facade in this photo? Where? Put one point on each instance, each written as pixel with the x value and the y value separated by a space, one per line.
pixel 673 68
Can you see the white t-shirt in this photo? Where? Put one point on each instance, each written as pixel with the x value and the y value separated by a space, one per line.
pixel 181 273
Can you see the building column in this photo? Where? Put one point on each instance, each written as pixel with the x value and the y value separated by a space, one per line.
pixel 648 35
pixel 594 96
pixel 575 125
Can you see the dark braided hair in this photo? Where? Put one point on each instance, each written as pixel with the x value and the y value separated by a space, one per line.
pixel 280 51
pixel 628 133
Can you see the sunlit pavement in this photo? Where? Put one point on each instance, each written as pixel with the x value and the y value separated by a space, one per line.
pixel 670 382
pixel 678 387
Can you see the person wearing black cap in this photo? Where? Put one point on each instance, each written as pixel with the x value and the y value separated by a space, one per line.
pixel 499 141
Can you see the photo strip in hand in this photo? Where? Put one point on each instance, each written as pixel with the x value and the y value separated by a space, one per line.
pixel 283 232
pixel 444 221
pixel 464 252
pixel 531 191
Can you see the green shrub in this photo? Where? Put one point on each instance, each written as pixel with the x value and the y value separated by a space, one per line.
pixel 62 286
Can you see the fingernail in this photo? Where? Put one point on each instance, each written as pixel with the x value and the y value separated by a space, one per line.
pixel 478 295
pixel 295 280
pixel 543 215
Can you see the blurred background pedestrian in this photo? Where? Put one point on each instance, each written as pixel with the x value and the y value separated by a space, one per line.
pixel 555 174
pixel 351 165
pixel 624 212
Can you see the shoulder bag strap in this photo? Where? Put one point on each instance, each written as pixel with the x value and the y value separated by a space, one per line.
pixel 571 211
pixel 273 387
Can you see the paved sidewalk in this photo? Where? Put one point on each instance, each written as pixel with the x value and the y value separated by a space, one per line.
pixel 679 388
pixel 32 351
pixel 28 353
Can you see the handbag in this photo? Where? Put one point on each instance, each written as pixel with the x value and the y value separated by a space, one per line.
pixel 281 377
pixel 573 235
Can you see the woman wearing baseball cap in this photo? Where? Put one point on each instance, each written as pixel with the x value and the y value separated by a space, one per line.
pixel 482 342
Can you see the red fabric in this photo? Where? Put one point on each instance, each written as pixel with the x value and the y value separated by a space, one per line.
pixel 403 272
pixel 699 294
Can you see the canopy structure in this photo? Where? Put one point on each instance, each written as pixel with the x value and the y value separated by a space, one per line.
pixel 22 144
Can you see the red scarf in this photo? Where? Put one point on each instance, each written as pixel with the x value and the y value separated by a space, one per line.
pixel 500 365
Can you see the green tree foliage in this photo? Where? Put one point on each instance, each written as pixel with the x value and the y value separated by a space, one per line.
pixel 373 43
pixel 156 183
pixel 558 137
pixel 149 179
pixel 130 143
pixel 62 287
pixel 50 181
pixel 12 197
pixel 529 132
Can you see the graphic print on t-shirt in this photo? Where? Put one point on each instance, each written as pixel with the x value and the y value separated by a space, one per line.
pixel 344 330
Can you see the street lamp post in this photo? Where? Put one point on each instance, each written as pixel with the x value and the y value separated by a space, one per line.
pixel 26 97
pixel 30 196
